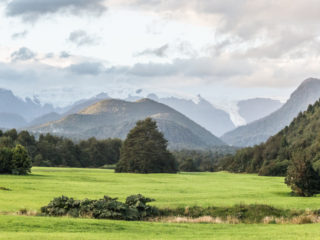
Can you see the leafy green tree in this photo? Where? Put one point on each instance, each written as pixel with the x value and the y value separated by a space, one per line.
pixel 21 162
pixel 5 160
pixel 188 166
pixel 301 176
pixel 145 151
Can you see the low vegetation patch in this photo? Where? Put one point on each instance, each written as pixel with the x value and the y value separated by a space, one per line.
pixel 253 213
pixel 134 208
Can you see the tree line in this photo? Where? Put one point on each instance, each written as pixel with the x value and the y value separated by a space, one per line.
pixel 53 151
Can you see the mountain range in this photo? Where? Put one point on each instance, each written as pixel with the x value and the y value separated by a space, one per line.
pixel 202 112
pixel 259 131
pixel 114 118
pixel 27 109
pixel 254 109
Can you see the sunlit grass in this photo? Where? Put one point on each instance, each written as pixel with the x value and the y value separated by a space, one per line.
pixel 169 190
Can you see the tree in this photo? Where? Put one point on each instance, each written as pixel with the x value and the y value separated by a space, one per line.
pixel 188 166
pixel 145 151
pixel 5 160
pixel 21 162
pixel 301 176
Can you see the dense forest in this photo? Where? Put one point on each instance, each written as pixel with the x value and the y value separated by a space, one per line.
pixel 273 157
pixel 53 151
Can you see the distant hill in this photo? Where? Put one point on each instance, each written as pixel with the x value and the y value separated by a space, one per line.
pixel 259 131
pixel 254 109
pixel 274 156
pixel 84 103
pixel 26 108
pixel 49 117
pixel 204 113
pixel 11 120
pixel 114 118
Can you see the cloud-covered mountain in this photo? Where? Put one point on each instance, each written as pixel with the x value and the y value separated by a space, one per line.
pixel 257 108
pixel 114 118
pixel 259 131
pixel 11 120
pixel 202 112
pixel 27 109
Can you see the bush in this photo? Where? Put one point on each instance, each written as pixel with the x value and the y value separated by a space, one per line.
pixel 135 208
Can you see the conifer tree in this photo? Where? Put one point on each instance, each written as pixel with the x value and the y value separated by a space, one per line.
pixel 145 151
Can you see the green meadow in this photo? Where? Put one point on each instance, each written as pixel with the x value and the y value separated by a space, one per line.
pixel 170 190
pixel 30 228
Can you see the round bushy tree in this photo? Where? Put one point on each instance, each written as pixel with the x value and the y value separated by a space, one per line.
pixel 21 162
pixel 145 151
pixel 301 176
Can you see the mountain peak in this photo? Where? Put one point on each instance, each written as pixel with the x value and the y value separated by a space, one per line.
pixel 145 100
pixel 310 81
pixel 102 95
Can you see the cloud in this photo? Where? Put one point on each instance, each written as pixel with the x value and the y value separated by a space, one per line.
pixel 23 54
pixel 31 10
pixel 64 54
pixel 206 68
pixel 268 29
pixel 49 55
pixel 158 52
pixel 81 38
pixel 19 35
pixel 86 68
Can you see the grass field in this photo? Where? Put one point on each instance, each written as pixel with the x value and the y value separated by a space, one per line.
pixel 170 190
pixel 27 228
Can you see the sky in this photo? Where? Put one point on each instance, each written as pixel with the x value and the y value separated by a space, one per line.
pixel 65 50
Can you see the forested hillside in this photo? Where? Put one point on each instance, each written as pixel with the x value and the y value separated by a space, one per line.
pixel 274 156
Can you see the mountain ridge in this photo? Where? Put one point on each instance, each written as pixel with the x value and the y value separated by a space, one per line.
pixel 112 118
pixel 259 131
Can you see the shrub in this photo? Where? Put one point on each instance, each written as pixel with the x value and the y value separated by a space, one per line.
pixel 135 208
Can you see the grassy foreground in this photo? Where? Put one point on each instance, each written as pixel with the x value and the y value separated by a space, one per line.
pixel 27 228
pixel 169 190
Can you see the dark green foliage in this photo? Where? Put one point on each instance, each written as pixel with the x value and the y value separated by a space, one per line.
pixel 135 208
pixel 253 213
pixel 53 151
pixel 301 177
pixel 188 166
pixel 15 160
pixel 145 151
pixel 21 162
pixel 200 160
pixel 5 159
pixel 273 157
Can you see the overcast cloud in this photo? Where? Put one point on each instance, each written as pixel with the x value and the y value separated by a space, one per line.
pixel 196 46
pixel 31 10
